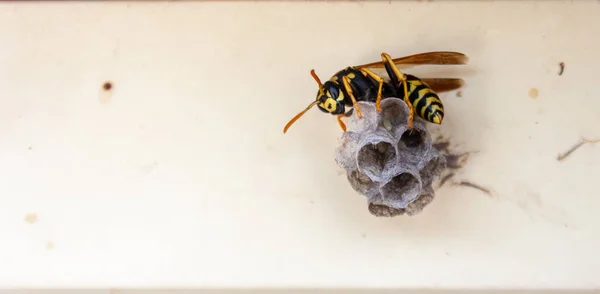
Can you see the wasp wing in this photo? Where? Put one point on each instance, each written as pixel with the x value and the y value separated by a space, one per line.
pixel 436 57
pixel 443 84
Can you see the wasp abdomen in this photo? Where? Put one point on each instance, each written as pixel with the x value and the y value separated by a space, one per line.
pixel 425 101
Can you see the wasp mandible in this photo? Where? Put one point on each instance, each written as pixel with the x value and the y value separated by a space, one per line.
pixel 358 83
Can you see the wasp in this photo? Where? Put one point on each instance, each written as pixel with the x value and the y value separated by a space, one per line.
pixel 359 83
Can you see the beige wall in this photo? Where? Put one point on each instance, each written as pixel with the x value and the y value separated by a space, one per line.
pixel 180 176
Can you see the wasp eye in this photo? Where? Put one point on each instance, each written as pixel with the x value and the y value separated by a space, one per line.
pixel 333 92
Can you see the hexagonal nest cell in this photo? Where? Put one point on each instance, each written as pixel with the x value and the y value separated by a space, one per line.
pixel 392 166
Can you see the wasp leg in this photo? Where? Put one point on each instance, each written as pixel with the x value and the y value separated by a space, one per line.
pixel 349 90
pixel 340 116
pixel 380 81
pixel 391 66
pixel 340 122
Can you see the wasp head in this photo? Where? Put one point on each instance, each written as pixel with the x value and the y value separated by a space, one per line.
pixel 331 98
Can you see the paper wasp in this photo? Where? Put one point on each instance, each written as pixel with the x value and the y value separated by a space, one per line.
pixel 359 83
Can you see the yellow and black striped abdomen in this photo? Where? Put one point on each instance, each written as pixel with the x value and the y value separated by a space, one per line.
pixel 425 101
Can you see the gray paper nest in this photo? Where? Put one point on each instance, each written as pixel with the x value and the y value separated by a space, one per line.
pixel 390 165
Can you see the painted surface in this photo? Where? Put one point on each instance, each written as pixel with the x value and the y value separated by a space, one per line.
pixel 141 144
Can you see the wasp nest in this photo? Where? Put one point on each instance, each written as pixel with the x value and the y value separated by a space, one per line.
pixel 392 166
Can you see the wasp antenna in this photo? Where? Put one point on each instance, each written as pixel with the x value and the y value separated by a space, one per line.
pixel 314 75
pixel 295 118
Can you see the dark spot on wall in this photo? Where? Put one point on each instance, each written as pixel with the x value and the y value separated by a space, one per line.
pixel 561 69
pixel 106 92
pixel 581 142
pixel 446 178
pixel 441 146
pixel 454 160
pixel 475 186
pixel 107 86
